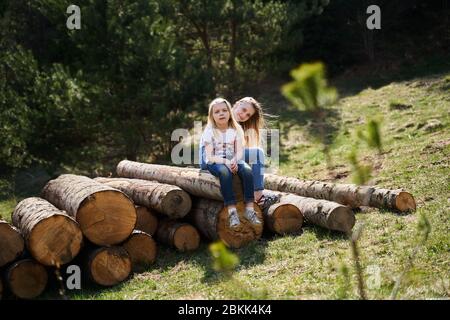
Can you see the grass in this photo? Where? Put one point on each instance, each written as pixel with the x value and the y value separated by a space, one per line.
pixel 317 263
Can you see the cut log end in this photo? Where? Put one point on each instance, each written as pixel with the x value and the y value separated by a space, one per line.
pixel 109 266
pixel 146 220
pixel 186 238
pixel 176 204
pixel 405 202
pixel 11 243
pixel 27 278
pixel 284 218
pixel 244 233
pixel 142 250
pixel 341 219
pixel 55 241
pixel 107 217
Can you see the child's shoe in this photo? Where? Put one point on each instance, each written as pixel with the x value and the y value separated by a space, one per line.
pixel 233 218
pixel 251 216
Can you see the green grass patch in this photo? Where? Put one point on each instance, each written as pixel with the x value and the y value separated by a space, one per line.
pixel 317 263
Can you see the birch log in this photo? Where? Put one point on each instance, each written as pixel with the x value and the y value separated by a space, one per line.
pixel 320 212
pixel 26 278
pixel 346 194
pixel 142 250
pixel 180 235
pixel 327 214
pixel 147 220
pixel 52 237
pixel 108 266
pixel 198 183
pixel 11 243
pixel 211 219
pixel 283 218
pixel 169 200
pixel 106 216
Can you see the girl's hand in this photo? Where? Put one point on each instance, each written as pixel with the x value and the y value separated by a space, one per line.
pixel 234 166
pixel 229 166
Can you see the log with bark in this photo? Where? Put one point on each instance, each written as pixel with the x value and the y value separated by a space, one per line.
pixel 327 214
pixel 142 250
pixel 179 235
pixel 169 200
pixel 108 266
pixel 346 194
pixel 211 219
pixel 51 236
pixel 11 243
pixel 321 212
pixel 106 215
pixel 26 278
pixel 147 220
pixel 283 218
pixel 198 183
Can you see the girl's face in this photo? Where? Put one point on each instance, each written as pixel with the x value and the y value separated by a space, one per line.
pixel 221 115
pixel 243 111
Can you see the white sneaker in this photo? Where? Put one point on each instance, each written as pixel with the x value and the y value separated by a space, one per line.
pixel 233 218
pixel 251 216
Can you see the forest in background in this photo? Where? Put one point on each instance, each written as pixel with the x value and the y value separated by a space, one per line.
pixel 82 100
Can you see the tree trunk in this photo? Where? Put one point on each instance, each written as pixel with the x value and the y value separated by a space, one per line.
pixel 108 266
pixel 146 220
pixel 11 243
pixel 106 216
pixel 26 278
pixel 142 250
pixel 180 235
pixel 205 185
pixel 346 194
pixel 211 219
pixel 283 218
pixel 196 182
pixel 323 213
pixel 52 237
pixel 166 199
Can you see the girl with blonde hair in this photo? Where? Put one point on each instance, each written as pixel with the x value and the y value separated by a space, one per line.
pixel 223 145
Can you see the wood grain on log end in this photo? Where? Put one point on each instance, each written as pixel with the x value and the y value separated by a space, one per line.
pixel 27 278
pixel 142 250
pixel 405 202
pixel 244 233
pixel 146 220
pixel 180 235
pixel 109 265
pixel 342 219
pixel 176 204
pixel 11 243
pixel 186 238
pixel 55 241
pixel 284 218
pixel 107 217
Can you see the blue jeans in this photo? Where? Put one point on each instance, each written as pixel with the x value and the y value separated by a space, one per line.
pixel 226 181
pixel 254 157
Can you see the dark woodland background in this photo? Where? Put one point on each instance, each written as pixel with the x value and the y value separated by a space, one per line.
pixel 84 99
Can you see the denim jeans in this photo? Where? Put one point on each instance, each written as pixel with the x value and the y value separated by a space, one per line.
pixel 226 181
pixel 254 157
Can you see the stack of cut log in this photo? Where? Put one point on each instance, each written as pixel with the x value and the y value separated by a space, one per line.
pixel 113 226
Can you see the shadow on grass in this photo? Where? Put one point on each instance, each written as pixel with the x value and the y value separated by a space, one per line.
pixel 352 84
pixel 321 126
pixel 325 234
